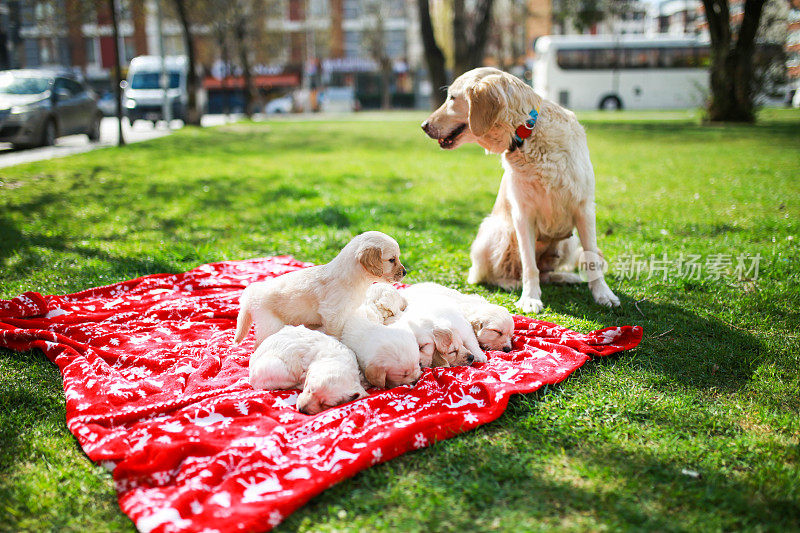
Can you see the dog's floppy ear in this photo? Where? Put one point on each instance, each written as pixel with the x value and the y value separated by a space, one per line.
pixel 486 102
pixel 370 258
pixel 442 338
pixel 439 360
pixel 376 375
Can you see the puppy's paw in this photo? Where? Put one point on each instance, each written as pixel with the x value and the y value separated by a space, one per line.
pixel 472 277
pixel 480 358
pixel 605 297
pixel 529 305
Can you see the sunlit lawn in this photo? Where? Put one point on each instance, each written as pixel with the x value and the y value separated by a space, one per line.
pixel 695 429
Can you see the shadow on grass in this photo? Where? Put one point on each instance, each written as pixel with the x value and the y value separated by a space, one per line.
pixel 678 344
pixel 512 477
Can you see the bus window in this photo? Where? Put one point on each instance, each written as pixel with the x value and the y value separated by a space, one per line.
pixel 597 58
pixel 639 58
pixel 604 58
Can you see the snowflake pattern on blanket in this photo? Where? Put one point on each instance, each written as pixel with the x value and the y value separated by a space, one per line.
pixel 157 392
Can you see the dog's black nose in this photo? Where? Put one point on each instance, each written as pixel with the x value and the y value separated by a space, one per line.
pixel 425 126
pixel 405 272
pixel 303 409
pixel 506 349
pixel 470 359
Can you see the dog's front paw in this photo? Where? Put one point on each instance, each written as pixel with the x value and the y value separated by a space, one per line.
pixel 605 297
pixel 473 278
pixel 526 304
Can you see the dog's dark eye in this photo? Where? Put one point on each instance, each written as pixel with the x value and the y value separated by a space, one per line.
pixel 452 97
pixel 392 260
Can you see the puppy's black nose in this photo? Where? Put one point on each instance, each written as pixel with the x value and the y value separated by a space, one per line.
pixel 405 272
pixel 506 349
pixel 425 126
pixel 470 359
pixel 303 409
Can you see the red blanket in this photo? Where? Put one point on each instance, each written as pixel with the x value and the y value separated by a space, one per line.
pixel 157 392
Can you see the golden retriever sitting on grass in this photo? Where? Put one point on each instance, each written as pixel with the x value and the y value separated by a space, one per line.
pixel 546 192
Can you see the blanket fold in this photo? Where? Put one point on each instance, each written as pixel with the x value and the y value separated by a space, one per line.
pixel 157 392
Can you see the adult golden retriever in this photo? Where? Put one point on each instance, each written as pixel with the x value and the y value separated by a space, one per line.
pixel 547 189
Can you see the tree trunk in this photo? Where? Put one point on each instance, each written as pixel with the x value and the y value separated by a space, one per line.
pixel 470 45
pixel 220 32
pixel 193 112
pixel 732 76
pixel 434 57
pixel 386 81
pixel 117 70
pixel 241 37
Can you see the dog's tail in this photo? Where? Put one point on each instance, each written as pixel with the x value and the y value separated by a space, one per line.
pixel 244 320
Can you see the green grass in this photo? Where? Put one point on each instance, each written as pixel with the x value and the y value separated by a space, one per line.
pixel 714 387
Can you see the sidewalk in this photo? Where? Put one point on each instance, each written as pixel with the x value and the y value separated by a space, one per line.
pixel 76 144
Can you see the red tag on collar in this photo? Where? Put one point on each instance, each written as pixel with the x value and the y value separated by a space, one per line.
pixel 523 131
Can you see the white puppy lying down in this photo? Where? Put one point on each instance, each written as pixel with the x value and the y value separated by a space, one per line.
pixel 388 357
pixel 444 337
pixel 297 356
pixel 493 324
pixel 320 296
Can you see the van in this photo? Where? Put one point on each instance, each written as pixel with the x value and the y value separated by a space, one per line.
pixel 143 94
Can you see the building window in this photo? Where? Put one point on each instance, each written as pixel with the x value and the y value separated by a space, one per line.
pixel 91 50
pixel 129 49
pixel 352 44
pixel 351 9
pixel 396 43
pixel 318 8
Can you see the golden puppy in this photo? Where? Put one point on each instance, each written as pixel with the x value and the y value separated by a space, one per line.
pixel 296 356
pixel 443 335
pixel 493 324
pixel 547 189
pixel 323 295
pixel 389 357
pixel 384 304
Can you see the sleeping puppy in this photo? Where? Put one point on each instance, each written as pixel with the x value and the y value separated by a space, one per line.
pixel 383 303
pixel 297 356
pixel 320 296
pixel 493 324
pixel 444 337
pixel 547 189
pixel 389 357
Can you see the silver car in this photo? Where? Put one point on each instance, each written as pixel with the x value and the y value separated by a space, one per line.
pixel 36 106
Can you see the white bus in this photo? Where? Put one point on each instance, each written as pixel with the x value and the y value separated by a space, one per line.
pixel 622 72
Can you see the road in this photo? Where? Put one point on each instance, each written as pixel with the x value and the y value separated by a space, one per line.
pixel 75 144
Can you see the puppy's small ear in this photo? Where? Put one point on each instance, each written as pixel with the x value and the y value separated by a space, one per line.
pixel 477 325
pixel 370 258
pixel 376 375
pixel 439 360
pixel 486 101
pixel 442 338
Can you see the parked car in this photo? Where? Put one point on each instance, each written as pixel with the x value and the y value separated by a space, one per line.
pixel 37 106
pixel 284 104
pixel 144 96
pixel 338 100
pixel 107 103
